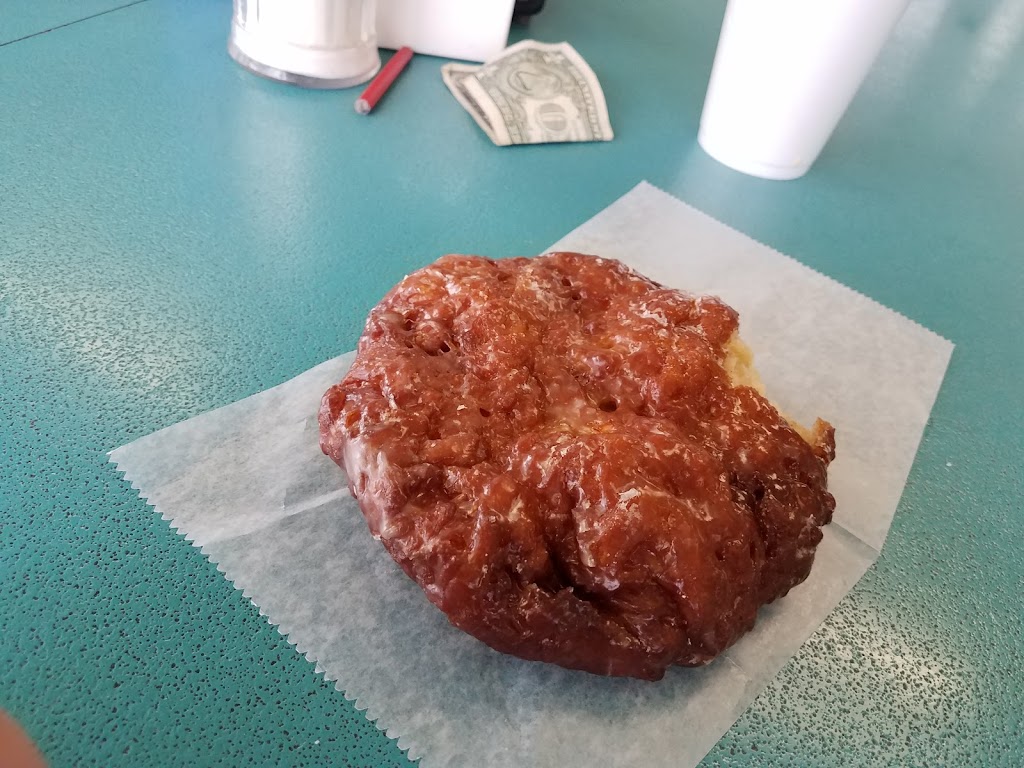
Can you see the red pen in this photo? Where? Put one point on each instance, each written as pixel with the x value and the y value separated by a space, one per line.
pixel 380 84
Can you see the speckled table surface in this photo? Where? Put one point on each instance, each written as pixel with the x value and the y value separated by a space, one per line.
pixel 176 234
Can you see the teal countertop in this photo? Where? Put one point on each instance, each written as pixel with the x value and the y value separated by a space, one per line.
pixel 176 234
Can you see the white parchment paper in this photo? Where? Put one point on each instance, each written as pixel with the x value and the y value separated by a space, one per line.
pixel 248 484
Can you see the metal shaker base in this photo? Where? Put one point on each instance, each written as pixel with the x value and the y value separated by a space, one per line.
pixel 305 81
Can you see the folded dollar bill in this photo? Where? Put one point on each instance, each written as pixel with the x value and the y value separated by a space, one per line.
pixel 532 93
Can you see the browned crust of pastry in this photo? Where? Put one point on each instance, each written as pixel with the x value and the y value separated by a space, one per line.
pixel 554 450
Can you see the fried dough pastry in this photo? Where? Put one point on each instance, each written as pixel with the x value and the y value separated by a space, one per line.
pixel 576 464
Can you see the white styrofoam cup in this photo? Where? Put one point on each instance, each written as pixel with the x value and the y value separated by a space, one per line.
pixel 784 74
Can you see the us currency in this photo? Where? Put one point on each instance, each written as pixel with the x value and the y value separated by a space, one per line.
pixel 453 76
pixel 532 93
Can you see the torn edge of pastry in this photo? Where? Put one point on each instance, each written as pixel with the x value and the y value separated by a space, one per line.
pixel 739 367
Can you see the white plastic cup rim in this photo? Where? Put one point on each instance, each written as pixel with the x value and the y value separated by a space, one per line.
pixel 752 166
